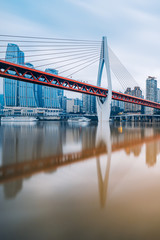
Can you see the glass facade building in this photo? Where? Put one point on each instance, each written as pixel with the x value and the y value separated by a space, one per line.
pixel 18 93
pixel 89 104
pixel 23 94
pixel 151 92
pixel 51 96
pixel 11 87
pixel 28 92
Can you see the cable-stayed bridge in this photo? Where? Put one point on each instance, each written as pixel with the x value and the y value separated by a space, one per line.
pixel 74 56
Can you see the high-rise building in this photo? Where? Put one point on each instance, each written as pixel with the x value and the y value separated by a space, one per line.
pixel 158 95
pixel 1 100
pixel 18 93
pixel 79 103
pixel 28 93
pixel 60 97
pixel 151 92
pixel 76 108
pixel 70 105
pixel 128 106
pixel 64 103
pixel 115 103
pixel 119 104
pixel 50 94
pixel 137 92
pixel 89 103
pixel 12 87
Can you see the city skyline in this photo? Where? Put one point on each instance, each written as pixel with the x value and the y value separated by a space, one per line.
pixel 19 58
pixel 51 98
pixel 23 94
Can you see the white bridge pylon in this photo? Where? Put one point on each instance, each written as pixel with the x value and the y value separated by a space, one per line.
pixel 104 107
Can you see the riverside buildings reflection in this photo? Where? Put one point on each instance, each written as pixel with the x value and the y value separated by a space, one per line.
pixel 31 149
pixel 101 182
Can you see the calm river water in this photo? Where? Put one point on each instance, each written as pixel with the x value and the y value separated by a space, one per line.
pixel 79 181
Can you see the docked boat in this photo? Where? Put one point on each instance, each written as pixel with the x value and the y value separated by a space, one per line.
pixel 79 119
pixel 50 118
pixel 18 119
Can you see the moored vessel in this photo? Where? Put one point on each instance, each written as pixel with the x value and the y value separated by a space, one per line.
pixel 79 119
pixel 18 119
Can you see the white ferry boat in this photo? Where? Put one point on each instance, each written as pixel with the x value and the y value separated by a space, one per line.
pixel 18 119
pixel 79 119
pixel 49 118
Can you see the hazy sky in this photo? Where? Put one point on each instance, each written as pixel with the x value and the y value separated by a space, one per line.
pixel 131 26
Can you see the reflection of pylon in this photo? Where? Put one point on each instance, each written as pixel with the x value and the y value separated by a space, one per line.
pixel 103 107
pixel 103 183
pixel 103 135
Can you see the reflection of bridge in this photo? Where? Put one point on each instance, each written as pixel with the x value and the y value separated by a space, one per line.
pixel 23 73
pixel 24 169
pixel 129 140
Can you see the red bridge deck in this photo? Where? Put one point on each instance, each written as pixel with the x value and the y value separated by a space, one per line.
pixel 22 73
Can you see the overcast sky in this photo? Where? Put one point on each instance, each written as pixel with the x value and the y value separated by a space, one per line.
pixel 131 26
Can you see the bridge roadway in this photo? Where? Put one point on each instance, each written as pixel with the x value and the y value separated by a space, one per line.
pixel 27 168
pixel 22 73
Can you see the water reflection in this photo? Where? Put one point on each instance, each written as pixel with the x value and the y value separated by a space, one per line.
pixel 104 138
pixel 30 149
pixel 96 181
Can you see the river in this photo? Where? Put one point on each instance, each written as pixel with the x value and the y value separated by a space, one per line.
pixel 62 180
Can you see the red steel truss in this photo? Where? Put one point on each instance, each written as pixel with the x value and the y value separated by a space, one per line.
pixel 22 73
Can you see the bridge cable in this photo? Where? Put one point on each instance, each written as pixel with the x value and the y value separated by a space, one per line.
pixel 60 39
pixel 91 57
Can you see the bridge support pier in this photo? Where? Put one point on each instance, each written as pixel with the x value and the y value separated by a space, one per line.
pixel 104 105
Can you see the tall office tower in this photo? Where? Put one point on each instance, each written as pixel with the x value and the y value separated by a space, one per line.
pixel 79 103
pixel 36 92
pixel 119 104
pixel 50 95
pixel 151 92
pixel 60 96
pixel 28 92
pixel 11 87
pixel 89 103
pixel 1 101
pixel 115 103
pixel 70 105
pixel 115 107
pixel 128 106
pixel 93 108
pixel 158 95
pixel 137 93
pixel 64 103
pixel 18 93
pixel 85 102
